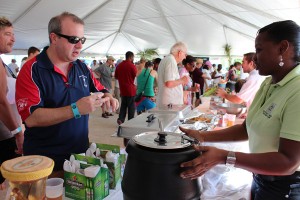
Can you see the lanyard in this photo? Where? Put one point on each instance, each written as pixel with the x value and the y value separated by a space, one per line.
pixel 9 70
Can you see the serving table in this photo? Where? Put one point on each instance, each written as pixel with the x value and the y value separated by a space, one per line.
pixel 218 183
pixel 223 182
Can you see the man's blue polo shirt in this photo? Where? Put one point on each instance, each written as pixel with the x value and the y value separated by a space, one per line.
pixel 42 85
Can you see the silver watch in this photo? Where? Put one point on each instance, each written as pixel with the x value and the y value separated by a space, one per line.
pixel 231 159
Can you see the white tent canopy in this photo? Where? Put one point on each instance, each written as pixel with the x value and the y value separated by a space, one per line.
pixel 113 27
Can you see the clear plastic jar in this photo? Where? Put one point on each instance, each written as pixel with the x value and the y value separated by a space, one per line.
pixel 31 190
pixel 27 176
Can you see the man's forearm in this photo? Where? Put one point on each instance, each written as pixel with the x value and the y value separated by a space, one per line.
pixel 234 133
pixel 49 116
pixel 7 115
pixel 233 98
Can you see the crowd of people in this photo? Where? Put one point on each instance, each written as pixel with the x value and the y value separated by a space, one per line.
pixel 54 93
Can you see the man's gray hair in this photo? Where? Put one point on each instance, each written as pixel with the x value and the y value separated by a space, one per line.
pixel 54 25
pixel 4 22
pixel 178 46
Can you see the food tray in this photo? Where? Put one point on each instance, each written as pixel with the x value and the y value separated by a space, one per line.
pixel 209 119
pixel 194 126
pixel 179 110
pixel 139 124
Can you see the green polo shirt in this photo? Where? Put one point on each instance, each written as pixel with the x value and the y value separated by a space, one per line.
pixel 275 113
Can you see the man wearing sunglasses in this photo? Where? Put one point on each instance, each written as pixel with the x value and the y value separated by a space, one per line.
pixel 54 94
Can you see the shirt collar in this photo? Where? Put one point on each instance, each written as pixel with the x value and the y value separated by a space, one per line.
pixel 291 75
pixel 254 71
pixel 44 61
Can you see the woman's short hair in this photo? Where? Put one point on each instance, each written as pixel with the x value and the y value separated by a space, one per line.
pixel 148 64
pixel 189 59
pixel 156 60
pixel 199 61
pixel 284 30
pixel 205 67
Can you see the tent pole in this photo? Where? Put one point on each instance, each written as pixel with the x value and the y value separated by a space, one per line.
pixel 165 20
pixel 254 10
pixel 226 14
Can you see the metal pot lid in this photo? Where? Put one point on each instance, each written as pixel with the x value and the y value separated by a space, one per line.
pixel 161 140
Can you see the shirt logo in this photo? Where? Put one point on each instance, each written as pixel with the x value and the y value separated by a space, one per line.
pixel 22 103
pixel 268 112
pixel 84 80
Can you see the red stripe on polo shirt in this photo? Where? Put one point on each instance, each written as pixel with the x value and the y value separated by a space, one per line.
pixel 27 92
pixel 96 82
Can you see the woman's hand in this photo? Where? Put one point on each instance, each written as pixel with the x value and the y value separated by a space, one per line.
pixel 208 158
pixel 192 133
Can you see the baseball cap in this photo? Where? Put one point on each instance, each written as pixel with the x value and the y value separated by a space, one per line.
pixel 110 58
pixel 208 63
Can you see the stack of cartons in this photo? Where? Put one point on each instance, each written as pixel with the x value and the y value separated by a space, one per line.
pixel 114 168
pixel 80 187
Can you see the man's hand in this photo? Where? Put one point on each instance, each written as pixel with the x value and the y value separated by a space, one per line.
pixel 111 102
pixel 185 80
pixel 90 103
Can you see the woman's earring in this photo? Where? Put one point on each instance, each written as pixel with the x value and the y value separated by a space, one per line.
pixel 281 63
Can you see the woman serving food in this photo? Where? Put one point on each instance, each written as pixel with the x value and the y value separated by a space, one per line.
pixel 272 125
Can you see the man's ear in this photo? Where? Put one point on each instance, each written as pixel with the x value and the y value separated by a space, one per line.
pixel 53 38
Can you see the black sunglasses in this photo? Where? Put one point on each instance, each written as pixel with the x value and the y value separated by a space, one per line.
pixel 72 39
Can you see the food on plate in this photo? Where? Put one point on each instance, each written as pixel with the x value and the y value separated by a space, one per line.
pixel 201 118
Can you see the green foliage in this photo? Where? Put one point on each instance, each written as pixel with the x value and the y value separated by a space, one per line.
pixel 227 51
pixel 148 54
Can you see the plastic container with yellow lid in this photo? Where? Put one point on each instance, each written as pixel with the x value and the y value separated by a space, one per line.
pixel 27 176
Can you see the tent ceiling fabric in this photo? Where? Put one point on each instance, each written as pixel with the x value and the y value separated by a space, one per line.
pixel 116 26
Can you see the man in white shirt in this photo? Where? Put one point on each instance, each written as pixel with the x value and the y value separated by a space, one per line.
pixel 94 65
pixel 14 67
pixel 170 90
pixel 250 87
pixel 32 52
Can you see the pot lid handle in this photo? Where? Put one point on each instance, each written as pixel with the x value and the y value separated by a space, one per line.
pixel 161 139
pixel 160 125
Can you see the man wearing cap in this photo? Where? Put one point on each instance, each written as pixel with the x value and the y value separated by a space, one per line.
pixel 104 72
pixel 211 68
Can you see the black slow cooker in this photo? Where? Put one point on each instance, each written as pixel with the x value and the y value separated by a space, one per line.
pixel 152 170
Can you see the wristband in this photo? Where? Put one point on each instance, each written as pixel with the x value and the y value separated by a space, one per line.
pixel 75 111
pixel 17 130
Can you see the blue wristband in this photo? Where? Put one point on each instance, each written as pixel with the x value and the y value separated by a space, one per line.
pixel 75 110
pixel 17 130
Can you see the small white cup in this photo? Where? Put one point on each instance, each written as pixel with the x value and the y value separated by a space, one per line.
pixel 54 188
